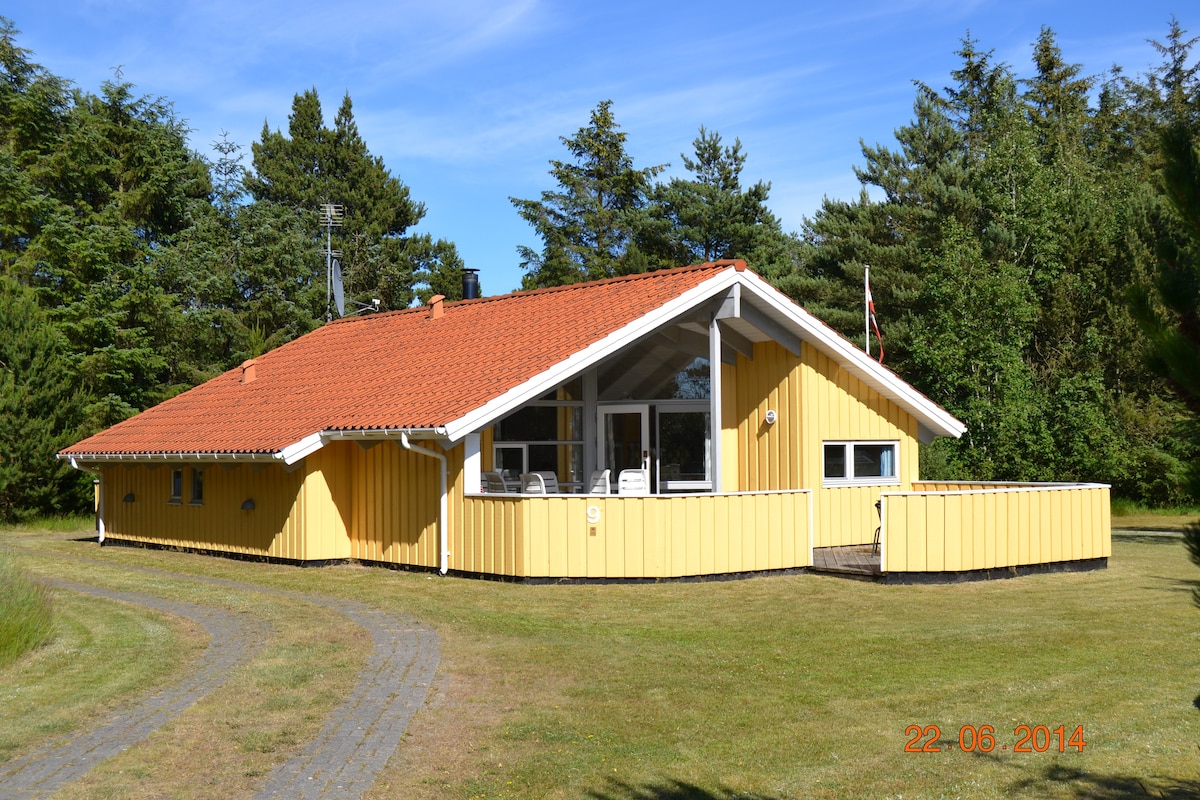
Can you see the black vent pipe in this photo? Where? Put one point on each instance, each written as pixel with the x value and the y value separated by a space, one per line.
pixel 470 284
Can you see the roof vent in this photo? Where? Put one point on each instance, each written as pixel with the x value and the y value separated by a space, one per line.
pixel 248 371
pixel 435 306
pixel 470 283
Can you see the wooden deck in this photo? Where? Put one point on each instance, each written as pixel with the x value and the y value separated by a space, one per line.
pixel 858 560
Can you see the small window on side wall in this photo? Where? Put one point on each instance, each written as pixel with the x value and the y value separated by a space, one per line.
pixel 197 487
pixel 860 463
pixel 176 486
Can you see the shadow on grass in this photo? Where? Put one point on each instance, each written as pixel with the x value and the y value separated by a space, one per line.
pixel 1148 536
pixel 668 790
pixel 1092 786
pixel 1177 585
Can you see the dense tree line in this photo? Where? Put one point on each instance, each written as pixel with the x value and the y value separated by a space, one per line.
pixel 1012 222
pixel 1006 231
pixel 134 268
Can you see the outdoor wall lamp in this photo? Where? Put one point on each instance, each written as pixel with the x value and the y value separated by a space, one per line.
pixel 771 416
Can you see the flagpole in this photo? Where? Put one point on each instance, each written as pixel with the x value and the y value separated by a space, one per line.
pixel 867 309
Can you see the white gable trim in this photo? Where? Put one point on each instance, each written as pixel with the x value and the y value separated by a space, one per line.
pixel 590 355
pixel 296 452
pixel 302 449
pixel 930 415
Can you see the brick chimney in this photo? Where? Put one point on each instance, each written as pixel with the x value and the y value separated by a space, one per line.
pixel 435 306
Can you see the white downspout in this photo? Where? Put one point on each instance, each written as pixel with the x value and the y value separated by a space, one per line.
pixel 444 510
pixel 98 483
pixel 100 508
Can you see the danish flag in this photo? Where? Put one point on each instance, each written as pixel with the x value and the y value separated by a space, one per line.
pixel 871 316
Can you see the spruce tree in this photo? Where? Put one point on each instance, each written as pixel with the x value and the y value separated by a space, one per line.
pixel 40 411
pixel 710 215
pixel 313 165
pixel 589 226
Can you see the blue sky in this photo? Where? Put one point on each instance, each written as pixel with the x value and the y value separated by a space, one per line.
pixel 465 100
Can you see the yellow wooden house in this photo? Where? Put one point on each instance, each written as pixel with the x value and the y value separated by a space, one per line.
pixel 686 422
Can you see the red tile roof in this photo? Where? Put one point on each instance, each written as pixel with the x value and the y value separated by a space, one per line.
pixel 394 370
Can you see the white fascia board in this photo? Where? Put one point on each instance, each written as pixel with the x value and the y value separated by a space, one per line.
pixel 590 355
pixel 310 444
pixel 301 449
pixel 87 460
pixel 883 380
pixel 381 434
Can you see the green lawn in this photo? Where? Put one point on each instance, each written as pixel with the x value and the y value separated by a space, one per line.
pixel 1131 516
pixel 26 614
pixel 798 686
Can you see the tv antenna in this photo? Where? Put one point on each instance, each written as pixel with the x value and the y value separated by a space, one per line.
pixel 332 215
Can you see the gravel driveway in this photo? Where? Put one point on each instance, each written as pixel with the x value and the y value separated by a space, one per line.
pixel 358 738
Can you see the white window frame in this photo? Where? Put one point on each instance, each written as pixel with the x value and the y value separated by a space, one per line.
pixel 511 481
pixel 570 483
pixel 848 454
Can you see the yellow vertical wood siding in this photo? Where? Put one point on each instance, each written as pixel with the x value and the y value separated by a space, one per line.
pixel 636 537
pixel 763 456
pixel 996 527
pixel 816 400
pixel 396 495
pixel 840 407
pixel 298 515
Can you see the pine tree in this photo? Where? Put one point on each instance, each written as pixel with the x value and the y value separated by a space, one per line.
pixel 114 187
pixel 313 165
pixel 590 225
pixel 39 411
pixel 1172 324
pixel 710 215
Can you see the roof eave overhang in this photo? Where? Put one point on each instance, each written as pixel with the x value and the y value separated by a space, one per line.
pixel 288 456
pixel 86 461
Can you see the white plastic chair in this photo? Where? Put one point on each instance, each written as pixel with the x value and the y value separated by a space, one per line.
pixel 633 482
pixel 541 482
pixel 494 483
pixel 598 482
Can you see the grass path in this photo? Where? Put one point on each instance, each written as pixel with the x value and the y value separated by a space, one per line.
pixel 233 640
pixel 360 735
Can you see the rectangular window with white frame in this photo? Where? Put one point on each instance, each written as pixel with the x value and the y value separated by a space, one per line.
pixel 860 463
pixel 545 435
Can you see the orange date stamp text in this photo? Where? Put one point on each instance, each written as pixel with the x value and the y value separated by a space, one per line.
pixel 982 738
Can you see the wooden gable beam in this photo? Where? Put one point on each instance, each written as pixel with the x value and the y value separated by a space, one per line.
pixel 734 306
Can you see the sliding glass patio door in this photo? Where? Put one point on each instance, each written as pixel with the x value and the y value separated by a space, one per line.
pixel 624 438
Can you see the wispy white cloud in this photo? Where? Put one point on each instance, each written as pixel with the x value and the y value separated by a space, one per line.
pixel 466 99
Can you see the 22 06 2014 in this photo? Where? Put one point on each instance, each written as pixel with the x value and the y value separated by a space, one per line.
pixel 982 738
